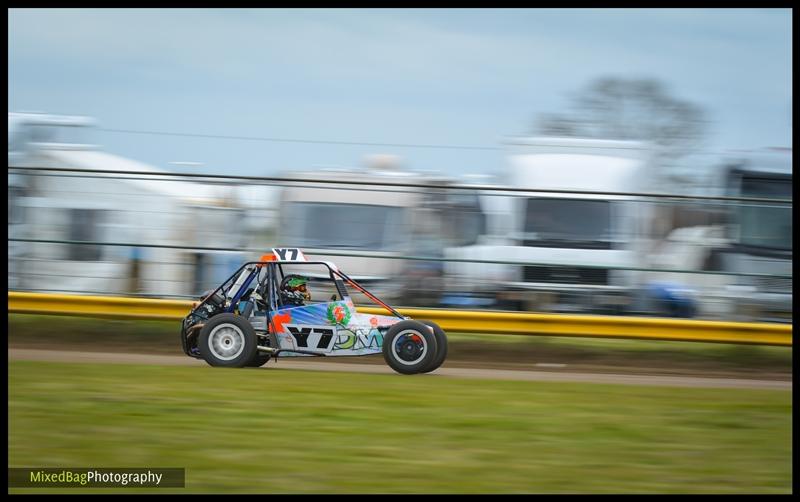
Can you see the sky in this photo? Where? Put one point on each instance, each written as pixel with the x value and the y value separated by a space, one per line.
pixel 445 77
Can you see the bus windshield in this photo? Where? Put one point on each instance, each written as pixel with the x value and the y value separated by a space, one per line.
pixel 763 224
pixel 567 220
pixel 339 225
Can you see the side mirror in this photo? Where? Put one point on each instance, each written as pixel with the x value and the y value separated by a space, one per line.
pixel 333 298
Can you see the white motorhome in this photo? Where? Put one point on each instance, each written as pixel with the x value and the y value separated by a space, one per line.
pixel 109 207
pixel 571 244
pixel 383 225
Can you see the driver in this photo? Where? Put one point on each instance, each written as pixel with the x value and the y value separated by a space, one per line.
pixel 294 290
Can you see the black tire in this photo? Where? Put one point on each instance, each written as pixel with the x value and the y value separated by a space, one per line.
pixel 415 354
pixel 231 336
pixel 441 347
pixel 259 360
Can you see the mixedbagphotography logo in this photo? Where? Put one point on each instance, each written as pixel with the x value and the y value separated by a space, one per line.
pixel 91 477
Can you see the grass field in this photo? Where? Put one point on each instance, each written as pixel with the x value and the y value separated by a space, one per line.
pixel 283 431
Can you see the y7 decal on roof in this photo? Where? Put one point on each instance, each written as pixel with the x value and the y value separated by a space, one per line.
pixel 288 254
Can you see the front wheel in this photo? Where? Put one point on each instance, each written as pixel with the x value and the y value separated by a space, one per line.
pixel 228 340
pixel 409 347
pixel 441 347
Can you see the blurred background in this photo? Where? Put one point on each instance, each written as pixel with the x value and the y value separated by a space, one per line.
pixel 599 241
pixel 451 161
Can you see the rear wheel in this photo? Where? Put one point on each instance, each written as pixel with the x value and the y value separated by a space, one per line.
pixel 227 340
pixel 409 347
pixel 441 347
pixel 260 359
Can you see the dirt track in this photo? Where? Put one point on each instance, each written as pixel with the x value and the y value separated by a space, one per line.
pixel 482 373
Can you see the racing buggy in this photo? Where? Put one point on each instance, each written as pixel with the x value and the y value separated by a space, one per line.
pixel 265 310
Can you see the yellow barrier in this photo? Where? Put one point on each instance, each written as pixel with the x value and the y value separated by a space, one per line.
pixel 97 306
pixel 456 321
pixel 604 326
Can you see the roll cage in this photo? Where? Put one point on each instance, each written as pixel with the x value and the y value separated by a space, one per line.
pixel 268 275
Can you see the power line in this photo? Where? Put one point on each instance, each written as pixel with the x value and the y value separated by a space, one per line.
pixel 297 140
pixel 514 141
pixel 320 183
pixel 319 252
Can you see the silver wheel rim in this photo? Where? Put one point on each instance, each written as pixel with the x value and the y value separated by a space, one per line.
pixel 399 359
pixel 226 342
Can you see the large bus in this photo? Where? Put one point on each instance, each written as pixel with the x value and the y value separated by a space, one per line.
pixel 574 245
pixel 382 234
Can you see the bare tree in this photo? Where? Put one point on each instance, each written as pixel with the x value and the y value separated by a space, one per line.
pixel 632 109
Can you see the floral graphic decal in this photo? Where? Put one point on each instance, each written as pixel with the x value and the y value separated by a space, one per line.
pixel 338 313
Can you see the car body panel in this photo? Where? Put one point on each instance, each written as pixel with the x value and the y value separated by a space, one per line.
pixel 333 328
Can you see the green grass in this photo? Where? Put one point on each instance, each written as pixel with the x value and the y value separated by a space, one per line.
pixel 281 431
pixel 753 356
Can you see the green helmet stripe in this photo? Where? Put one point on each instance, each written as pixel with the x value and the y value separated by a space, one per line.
pixel 296 281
